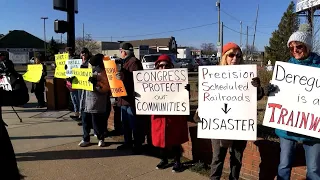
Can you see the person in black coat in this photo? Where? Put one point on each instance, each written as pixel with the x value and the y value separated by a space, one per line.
pixel 39 87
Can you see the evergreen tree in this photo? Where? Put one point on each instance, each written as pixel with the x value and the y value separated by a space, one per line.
pixel 52 48
pixel 277 49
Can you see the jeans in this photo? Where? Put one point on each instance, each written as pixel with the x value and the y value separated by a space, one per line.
pixel 287 155
pixel 40 98
pixel 130 126
pixel 75 100
pixel 96 120
pixel 219 154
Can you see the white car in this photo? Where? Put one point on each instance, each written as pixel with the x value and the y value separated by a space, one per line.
pixel 148 61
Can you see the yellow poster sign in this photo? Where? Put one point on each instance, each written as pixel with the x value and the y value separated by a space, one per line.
pixel 34 73
pixel 81 80
pixel 116 86
pixel 60 71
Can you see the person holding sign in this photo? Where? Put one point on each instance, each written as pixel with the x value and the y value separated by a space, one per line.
pixel 168 132
pixel 127 103
pixel 231 55
pixel 95 103
pixel 39 87
pixel 300 45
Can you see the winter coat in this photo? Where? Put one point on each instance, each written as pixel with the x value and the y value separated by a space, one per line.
pixel 169 130
pixel 40 86
pixel 314 61
pixel 96 100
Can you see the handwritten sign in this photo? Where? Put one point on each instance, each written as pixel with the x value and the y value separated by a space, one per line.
pixel 60 71
pixel 34 73
pixel 5 83
pixel 161 92
pixel 82 79
pixel 116 86
pixel 295 107
pixel 227 102
pixel 72 63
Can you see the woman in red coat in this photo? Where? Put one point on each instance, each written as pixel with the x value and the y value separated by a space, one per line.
pixel 169 131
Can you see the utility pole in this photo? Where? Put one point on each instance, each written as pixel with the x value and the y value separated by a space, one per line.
pixel 221 38
pixel 44 34
pixel 219 44
pixel 71 24
pixel 254 35
pixel 111 38
pixel 247 45
pixel 61 38
pixel 82 34
pixel 240 34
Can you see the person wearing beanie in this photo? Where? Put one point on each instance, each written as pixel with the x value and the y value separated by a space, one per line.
pixel 300 44
pixel 168 132
pixel 129 120
pixel 95 102
pixel 231 55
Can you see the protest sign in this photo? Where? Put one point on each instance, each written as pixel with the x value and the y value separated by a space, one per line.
pixel 5 83
pixel 227 102
pixel 72 63
pixel 34 73
pixel 81 80
pixel 60 60
pixel 295 105
pixel 116 86
pixel 161 92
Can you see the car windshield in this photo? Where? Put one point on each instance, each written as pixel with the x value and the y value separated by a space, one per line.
pixel 151 58
pixel 186 60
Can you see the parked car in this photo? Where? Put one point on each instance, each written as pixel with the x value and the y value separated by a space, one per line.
pixel 148 61
pixel 205 62
pixel 190 64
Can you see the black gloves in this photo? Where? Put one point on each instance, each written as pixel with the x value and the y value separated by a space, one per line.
pixel 70 79
pixel 93 80
pixel 256 82
pixel 187 87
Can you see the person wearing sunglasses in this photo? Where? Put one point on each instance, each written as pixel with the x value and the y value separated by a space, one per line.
pixel 231 55
pixel 168 132
pixel 300 44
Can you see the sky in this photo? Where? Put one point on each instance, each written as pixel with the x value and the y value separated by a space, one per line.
pixel 190 22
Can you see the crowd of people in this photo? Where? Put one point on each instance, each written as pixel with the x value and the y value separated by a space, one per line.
pixel 168 132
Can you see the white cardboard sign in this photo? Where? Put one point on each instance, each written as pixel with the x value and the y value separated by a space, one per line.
pixel 161 92
pixel 295 107
pixel 227 102
pixel 72 63
pixel 5 83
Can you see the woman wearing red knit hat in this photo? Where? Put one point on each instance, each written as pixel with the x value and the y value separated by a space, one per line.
pixel 168 132
pixel 231 55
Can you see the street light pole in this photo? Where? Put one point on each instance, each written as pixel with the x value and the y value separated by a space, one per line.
pixel 44 33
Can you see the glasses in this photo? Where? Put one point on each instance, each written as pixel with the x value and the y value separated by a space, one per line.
pixel 164 65
pixel 232 55
pixel 299 47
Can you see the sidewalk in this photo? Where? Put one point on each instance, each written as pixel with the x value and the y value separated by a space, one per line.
pixel 46 148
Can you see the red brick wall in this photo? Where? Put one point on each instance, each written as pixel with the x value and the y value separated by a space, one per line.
pixel 260 158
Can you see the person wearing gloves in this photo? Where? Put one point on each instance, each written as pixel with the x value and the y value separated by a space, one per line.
pixel 168 132
pixel 231 55
pixel 300 45
pixel 95 102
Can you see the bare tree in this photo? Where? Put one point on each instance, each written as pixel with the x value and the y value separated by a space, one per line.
pixel 249 49
pixel 316 38
pixel 208 48
pixel 93 46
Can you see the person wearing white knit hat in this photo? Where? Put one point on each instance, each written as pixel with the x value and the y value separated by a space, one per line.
pixel 300 44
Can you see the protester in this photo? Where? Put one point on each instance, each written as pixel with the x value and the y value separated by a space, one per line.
pixel 39 87
pixel 85 56
pixel 168 132
pixel 231 55
pixel 128 111
pixel 74 95
pixel 95 102
pixel 300 44
pixel 18 96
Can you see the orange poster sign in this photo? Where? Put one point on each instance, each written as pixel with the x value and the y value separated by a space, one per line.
pixel 116 85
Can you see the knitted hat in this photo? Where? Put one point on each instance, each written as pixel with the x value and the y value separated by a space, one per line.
pixel 127 46
pixel 163 57
pixel 303 35
pixel 85 50
pixel 228 46
pixel 96 60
